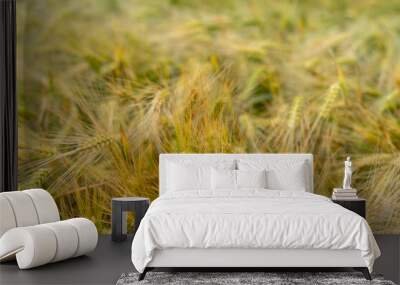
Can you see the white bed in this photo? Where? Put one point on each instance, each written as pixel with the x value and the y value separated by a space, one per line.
pixel 248 227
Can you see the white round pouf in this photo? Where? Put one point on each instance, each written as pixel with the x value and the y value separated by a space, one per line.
pixel 67 240
pixel 7 216
pixel 87 234
pixel 45 206
pixel 22 207
pixel 33 246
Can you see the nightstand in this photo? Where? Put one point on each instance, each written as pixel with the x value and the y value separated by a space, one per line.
pixel 356 205
pixel 120 206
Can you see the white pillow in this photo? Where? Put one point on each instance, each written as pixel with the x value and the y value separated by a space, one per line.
pixel 227 179
pixel 281 174
pixel 223 179
pixel 184 177
pixel 193 174
pixel 251 178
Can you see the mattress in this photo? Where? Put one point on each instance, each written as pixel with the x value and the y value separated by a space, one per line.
pixel 250 219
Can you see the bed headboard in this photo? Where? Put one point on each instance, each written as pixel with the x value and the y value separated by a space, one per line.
pixel 164 157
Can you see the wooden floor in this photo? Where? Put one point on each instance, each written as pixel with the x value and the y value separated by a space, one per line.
pixel 111 259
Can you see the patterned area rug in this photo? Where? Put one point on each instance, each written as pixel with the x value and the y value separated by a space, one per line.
pixel 229 278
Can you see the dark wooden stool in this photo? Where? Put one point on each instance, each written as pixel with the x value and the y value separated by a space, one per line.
pixel 120 206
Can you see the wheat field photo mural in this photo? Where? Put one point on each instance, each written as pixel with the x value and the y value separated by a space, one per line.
pixel 104 86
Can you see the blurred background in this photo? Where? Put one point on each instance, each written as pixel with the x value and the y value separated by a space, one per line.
pixel 104 86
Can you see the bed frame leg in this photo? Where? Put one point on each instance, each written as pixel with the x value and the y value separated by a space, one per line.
pixel 364 271
pixel 143 274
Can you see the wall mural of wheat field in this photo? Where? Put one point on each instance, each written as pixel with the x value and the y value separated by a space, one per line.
pixel 104 86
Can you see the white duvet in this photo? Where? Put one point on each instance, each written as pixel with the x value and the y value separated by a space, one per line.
pixel 250 219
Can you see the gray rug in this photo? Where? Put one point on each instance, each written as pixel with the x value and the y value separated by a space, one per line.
pixel 230 278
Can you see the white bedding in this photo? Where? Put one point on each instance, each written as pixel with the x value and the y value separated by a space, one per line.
pixel 250 218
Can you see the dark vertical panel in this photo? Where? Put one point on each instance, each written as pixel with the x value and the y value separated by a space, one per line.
pixel 388 263
pixel 397 265
pixel 8 102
